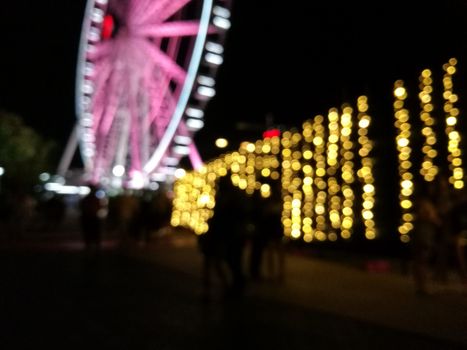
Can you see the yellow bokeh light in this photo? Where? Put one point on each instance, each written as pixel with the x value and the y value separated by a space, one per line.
pixel 399 91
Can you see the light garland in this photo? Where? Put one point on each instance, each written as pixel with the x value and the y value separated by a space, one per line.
pixel 428 169
pixel 454 137
pixel 403 127
pixel 365 172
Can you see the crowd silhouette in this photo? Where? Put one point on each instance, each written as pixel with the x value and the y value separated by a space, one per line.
pixel 244 242
pixel 439 237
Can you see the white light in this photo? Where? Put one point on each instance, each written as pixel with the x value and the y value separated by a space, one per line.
pixel 179 173
pixel 194 124
pixel 88 137
pixel 158 177
pixel 84 190
pixel 2 171
pixel 182 150
pixel 53 186
pixel 116 182
pixel 86 122
pixel 88 68
pixel 213 58
pixel 118 170
pixel 214 47
pixel 86 101
pixel 59 179
pixel 94 34
pixel 206 91
pixel 182 140
pixel 43 176
pixel 97 15
pixel 88 152
pixel 204 80
pixel 153 186
pixel 87 88
pixel 171 161
pixel 102 2
pixel 222 23
pixel 194 112
pixel 221 11
pixel 68 190
pixel 168 170
pixel 137 180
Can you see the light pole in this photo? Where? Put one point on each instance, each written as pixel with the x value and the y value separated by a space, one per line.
pixel 2 171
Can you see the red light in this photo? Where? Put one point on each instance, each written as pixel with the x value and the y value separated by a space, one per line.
pixel 271 133
pixel 107 27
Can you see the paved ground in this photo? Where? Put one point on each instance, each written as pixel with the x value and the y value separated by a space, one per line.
pixel 53 295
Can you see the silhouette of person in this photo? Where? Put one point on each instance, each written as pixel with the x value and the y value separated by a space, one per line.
pixel 427 223
pixel 127 209
pixel 458 219
pixel 226 239
pixel 272 224
pixel 442 197
pixel 91 207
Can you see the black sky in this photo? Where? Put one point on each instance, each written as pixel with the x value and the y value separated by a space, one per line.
pixel 288 59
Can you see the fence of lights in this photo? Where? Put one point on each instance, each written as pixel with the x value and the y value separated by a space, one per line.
pixel 428 168
pixel 327 165
pixel 316 167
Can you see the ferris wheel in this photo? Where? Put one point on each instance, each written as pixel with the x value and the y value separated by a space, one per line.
pixel 145 73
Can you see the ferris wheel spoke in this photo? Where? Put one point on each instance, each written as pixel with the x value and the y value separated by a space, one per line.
pixel 109 112
pixel 172 29
pixel 162 118
pixel 167 64
pixel 162 10
pixel 100 80
pixel 138 8
pixel 103 96
pixel 134 139
pixel 171 7
pixel 157 97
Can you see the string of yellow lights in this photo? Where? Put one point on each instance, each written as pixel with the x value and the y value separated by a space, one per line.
pixel 403 127
pixel 347 172
pixel 365 173
pixel 428 169
pixel 454 137
pixel 334 198
pixel 307 187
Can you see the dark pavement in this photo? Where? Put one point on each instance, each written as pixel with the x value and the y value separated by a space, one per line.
pixel 53 295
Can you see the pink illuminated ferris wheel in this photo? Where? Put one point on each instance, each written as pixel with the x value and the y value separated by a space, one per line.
pixel 145 73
